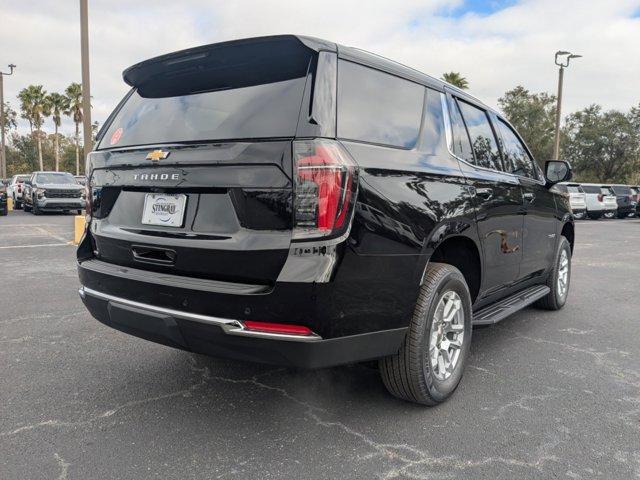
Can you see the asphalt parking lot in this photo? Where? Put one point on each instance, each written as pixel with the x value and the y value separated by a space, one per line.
pixel 546 395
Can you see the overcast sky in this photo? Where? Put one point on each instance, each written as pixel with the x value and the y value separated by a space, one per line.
pixel 495 44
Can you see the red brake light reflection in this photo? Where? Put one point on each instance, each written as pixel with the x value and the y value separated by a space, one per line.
pixel 283 328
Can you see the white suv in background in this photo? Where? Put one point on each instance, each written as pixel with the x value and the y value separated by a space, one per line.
pixel 15 189
pixel 577 198
pixel 600 199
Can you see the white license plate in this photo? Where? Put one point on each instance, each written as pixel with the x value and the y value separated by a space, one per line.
pixel 163 209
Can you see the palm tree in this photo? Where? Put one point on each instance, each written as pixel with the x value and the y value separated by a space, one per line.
pixel 455 79
pixel 57 104
pixel 74 110
pixel 35 108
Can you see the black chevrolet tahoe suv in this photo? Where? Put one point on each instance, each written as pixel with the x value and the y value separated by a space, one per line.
pixel 292 201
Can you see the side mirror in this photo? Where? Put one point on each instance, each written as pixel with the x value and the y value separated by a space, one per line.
pixel 556 171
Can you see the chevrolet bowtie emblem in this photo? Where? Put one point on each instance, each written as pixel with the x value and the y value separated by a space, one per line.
pixel 156 155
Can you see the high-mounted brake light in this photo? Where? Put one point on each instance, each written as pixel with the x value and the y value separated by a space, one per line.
pixel 325 189
pixel 282 328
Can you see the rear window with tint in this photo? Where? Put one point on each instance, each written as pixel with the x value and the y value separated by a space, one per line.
pixel 621 190
pixel 574 189
pixel 592 189
pixel 258 111
pixel 377 107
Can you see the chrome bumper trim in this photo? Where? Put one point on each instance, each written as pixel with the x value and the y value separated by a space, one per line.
pixel 228 326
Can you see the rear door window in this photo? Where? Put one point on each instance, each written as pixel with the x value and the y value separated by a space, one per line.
pixel 483 141
pixel 574 189
pixel 377 107
pixel 516 158
pixel 461 143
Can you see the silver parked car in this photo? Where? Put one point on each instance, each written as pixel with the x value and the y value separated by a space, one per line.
pixel 577 198
pixel 53 191
pixel 600 200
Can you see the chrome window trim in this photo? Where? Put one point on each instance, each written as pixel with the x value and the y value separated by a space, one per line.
pixel 228 326
pixel 449 135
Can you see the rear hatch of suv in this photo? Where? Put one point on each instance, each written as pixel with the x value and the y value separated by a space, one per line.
pixel 577 197
pixel 193 174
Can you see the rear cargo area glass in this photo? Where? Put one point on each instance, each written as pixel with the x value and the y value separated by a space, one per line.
pixel 259 111
pixel 226 92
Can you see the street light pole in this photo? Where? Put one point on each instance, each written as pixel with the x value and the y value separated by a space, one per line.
pixel 563 63
pixel 86 91
pixel 3 158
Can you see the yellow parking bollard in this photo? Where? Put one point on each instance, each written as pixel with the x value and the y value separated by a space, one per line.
pixel 79 224
pixel 9 203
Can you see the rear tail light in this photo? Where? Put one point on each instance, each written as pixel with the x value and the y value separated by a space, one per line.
pixel 88 199
pixel 325 189
pixel 281 328
pixel 601 198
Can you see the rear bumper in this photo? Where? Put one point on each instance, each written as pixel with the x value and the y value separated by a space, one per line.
pixel 626 209
pixel 222 337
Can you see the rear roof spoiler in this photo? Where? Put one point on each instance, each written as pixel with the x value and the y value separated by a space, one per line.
pixel 207 67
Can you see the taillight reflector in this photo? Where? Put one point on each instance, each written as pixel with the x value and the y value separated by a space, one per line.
pixel 325 188
pixel 283 328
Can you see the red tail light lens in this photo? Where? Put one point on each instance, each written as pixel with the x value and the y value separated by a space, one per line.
pixel 325 189
pixel 277 328
pixel 601 198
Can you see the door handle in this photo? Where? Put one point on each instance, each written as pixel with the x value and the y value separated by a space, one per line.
pixel 529 197
pixel 485 193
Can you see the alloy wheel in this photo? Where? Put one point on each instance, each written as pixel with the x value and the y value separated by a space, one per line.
pixel 446 335
pixel 563 274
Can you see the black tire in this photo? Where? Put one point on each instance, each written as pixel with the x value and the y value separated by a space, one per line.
pixel 26 207
pixel 4 211
pixel 554 299
pixel 35 210
pixel 408 374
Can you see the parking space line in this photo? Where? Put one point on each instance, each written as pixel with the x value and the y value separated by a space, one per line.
pixel 67 244
pixel 52 235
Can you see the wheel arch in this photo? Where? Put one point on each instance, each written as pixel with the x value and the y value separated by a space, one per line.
pixel 452 245
pixel 568 231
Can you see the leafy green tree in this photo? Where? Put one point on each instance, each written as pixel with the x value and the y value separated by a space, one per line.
pixel 74 110
pixel 533 116
pixel 603 146
pixel 34 109
pixel 10 118
pixel 22 155
pixel 57 104
pixel 455 79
